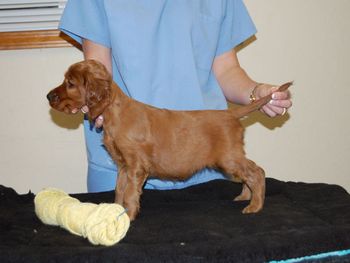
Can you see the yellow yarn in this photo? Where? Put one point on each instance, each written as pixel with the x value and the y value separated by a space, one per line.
pixel 103 224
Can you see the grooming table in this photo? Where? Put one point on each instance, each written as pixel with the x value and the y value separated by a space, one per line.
pixel 197 224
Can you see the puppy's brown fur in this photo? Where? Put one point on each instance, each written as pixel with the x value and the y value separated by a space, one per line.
pixel 146 141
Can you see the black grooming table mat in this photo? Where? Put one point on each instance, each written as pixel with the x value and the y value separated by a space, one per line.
pixel 197 224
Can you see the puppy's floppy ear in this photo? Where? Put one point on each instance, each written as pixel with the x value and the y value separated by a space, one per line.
pixel 98 88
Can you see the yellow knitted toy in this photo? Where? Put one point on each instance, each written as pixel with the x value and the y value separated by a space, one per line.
pixel 103 224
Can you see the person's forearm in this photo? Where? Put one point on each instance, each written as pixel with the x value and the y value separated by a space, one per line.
pixel 98 52
pixel 233 80
pixel 237 85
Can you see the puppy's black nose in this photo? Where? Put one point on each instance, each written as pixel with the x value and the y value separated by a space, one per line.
pixel 52 96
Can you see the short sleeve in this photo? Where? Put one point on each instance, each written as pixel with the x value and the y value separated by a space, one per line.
pixel 86 19
pixel 237 26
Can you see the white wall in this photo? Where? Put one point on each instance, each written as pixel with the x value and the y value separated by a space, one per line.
pixel 306 41
pixel 38 147
pixel 302 40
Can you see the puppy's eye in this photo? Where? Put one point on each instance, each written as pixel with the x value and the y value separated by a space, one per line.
pixel 69 84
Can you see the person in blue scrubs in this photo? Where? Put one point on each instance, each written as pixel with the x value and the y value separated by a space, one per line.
pixel 174 54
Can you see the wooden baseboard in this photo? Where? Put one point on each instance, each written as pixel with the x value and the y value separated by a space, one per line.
pixel 35 39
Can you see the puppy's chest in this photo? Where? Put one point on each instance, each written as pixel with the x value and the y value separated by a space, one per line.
pixel 125 137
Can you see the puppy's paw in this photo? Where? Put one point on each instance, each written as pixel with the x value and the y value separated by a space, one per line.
pixel 251 208
pixel 132 213
pixel 243 197
pixel 246 194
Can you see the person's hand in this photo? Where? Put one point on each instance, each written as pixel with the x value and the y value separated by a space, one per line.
pixel 280 103
pixel 99 122
pixel 85 109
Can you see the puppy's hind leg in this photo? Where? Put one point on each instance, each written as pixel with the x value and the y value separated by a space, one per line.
pixel 253 178
pixel 245 195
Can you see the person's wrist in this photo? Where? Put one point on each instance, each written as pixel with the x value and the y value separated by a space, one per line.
pixel 253 94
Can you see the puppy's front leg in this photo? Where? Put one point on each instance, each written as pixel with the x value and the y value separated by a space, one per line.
pixel 136 179
pixel 122 172
pixel 122 181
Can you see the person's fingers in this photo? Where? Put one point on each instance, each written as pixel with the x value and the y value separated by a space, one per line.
pixel 284 95
pixel 74 111
pixel 281 103
pixel 264 90
pixel 284 111
pixel 273 111
pixel 269 112
pixel 99 121
pixel 84 109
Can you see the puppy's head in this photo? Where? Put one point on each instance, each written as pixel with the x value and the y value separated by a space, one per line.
pixel 86 83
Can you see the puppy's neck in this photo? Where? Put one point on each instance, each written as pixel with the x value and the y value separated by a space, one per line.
pixel 117 96
pixel 118 100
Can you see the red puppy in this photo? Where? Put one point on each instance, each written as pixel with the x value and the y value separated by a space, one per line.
pixel 145 141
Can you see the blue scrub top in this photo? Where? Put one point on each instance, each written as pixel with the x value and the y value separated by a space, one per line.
pixel 162 54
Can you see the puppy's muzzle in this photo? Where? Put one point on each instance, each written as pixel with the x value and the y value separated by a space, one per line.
pixel 53 97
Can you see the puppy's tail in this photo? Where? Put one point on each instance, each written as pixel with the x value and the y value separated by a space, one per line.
pixel 245 110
